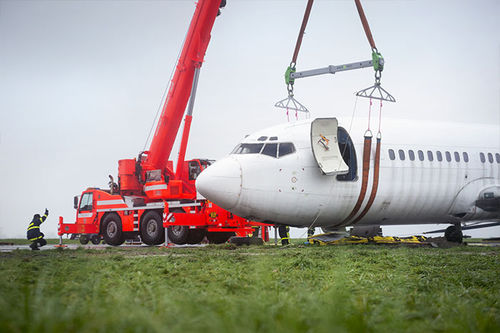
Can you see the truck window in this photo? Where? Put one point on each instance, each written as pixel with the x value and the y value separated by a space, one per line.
pixel 86 203
pixel 194 170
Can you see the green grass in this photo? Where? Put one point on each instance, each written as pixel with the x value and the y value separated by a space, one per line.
pixel 53 241
pixel 356 288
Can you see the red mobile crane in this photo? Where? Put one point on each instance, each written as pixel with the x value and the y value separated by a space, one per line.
pixel 150 195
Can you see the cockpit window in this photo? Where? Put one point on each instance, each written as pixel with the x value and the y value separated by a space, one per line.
pixel 248 148
pixel 262 138
pixel 273 138
pixel 286 149
pixel 270 149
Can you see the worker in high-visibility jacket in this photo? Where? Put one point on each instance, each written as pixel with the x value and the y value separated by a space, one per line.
pixel 34 234
pixel 255 232
pixel 284 232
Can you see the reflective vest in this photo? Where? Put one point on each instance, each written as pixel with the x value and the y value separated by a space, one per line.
pixel 34 228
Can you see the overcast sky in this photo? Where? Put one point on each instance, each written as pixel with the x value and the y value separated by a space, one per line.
pixel 81 81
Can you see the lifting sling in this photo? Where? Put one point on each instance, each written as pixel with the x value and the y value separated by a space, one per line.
pixel 290 103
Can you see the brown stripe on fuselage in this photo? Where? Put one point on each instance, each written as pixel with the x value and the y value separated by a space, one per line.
pixel 376 170
pixel 364 183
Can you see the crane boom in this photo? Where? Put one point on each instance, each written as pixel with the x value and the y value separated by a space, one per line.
pixel 192 55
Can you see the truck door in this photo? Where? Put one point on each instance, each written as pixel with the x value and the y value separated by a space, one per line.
pixel 325 146
pixel 86 211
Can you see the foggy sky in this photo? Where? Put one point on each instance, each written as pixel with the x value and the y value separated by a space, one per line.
pixel 81 81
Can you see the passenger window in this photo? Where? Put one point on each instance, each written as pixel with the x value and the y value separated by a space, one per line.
pixel 466 157
pixel 86 203
pixel 401 155
pixel 270 149
pixel 439 156
pixel 392 156
pixel 286 149
pixel 411 155
pixel 497 155
pixel 249 148
pixel 490 157
pixel 457 157
pixel 420 155
pixel 430 156
pixel 448 156
pixel 481 156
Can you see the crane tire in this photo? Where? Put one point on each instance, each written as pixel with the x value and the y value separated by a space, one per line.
pixel 219 237
pixel 112 230
pixel 195 236
pixel 178 234
pixel 95 239
pixel 84 239
pixel 151 229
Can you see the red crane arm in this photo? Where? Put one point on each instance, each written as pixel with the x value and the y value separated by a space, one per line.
pixel 192 55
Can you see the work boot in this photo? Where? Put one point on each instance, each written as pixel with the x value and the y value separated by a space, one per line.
pixel 34 247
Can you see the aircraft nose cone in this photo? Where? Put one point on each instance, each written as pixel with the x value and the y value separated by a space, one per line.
pixel 221 183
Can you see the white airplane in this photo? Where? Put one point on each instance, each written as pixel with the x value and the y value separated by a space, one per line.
pixel 316 173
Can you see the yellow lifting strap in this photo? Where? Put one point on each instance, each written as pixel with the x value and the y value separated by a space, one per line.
pixel 368 240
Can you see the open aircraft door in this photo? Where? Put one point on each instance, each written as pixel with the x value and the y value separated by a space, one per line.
pixel 325 146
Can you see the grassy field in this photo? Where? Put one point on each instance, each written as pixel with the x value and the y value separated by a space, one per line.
pixel 353 288
pixel 50 241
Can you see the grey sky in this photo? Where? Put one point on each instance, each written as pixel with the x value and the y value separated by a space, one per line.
pixel 80 81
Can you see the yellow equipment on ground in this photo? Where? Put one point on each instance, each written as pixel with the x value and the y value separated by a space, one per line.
pixel 323 239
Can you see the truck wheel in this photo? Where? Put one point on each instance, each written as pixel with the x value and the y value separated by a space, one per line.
pixel 219 237
pixel 152 232
pixel 84 239
pixel 195 236
pixel 178 234
pixel 112 230
pixel 95 239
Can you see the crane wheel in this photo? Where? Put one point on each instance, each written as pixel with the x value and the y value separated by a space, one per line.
pixel 152 231
pixel 219 237
pixel 178 234
pixel 84 239
pixel 95 239
pixel 195 236
pixel 112 230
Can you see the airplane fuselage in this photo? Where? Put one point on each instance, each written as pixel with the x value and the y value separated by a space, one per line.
pixel 423 176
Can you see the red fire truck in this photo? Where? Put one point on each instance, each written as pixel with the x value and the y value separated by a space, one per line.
pixel 150 195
